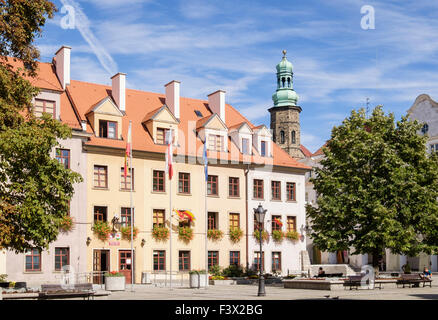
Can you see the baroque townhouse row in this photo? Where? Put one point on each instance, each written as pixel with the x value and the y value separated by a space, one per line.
pixel 246 168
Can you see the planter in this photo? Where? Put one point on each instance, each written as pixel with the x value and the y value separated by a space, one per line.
pixel 115 283
pixel 222 282
pixel 198 280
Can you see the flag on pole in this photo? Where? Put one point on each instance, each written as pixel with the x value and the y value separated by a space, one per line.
pixel 204 157
pixel 278 222
pixel 169 152
pixel 128 151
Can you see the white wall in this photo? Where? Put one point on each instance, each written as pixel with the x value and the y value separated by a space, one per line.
pixel 290 251
pixel 2 261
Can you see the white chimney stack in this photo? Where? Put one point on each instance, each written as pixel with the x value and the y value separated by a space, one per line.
pixel 172 96
pixel 119 90
pixel 63 65
pixel 216 102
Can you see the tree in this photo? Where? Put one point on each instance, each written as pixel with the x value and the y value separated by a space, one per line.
pixel 378 188
pixel 35 189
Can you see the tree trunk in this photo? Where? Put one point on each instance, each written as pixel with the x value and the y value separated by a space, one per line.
pixel 376 254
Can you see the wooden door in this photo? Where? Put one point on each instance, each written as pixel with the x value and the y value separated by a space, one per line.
pixel 125 264
pixel 100 265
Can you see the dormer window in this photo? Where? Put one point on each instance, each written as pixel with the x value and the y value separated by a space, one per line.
pixel 263 148
pixel 46 106
pixel 215 142
pixel 107 129
pixel 161 135
pixel 245 146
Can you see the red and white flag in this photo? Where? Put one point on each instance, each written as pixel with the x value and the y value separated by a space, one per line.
pixel 128 150
pixel 169 154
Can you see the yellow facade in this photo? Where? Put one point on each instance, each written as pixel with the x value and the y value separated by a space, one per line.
pixel 145 201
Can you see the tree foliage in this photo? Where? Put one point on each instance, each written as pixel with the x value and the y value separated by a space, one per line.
pixel 35 189
pixel 378 188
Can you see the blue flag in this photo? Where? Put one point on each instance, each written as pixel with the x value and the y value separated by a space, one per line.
pixel 204 157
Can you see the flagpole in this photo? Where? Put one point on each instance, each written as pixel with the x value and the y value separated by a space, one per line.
pixel 132 212
pixel 170 226
pixel 206 232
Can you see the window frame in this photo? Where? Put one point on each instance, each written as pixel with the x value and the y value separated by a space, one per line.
pixel 233 185
pixel 288 191
pixel 158 180
pixel 128 216
pixel 182 259
pixel 44 107
pixel 257 190
pixel 289 223
pixel 212 222
pixel 256 261
pixel 165 131
pixel 160 264
pixel 105 175
pixel 275 226
pixel 183 180
pixel 276 260
pixel 276 190
pixel 232 221
pixel 61 156
pixel 31 253
pixel 60 256
pixel 212 258
pixel 157 217
pixel 212 185
pixel 107 124
pixel 263 145
pixel 124 182
pixel 233 257
pixel 103 214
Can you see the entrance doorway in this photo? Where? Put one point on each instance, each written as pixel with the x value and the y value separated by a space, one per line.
pixel 125 264
pixel 101 264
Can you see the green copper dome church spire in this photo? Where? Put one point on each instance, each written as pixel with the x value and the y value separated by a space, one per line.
pixel 285 94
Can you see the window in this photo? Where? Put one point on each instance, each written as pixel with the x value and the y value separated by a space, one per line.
pixel 33 260
pixel 233 187
pixel 184 260
pixel 263 148
pixel 294 139
pixel 44 106
pixel 198 114
pixel 291 224
pixel 434 147
pixel 258 225
pixel 258 189
pixel 257 260
pixel 234 221
pixel 213 259
pixel 281 136
pixel 126 182
pixel 290 188
pixel 276 261
pixel 275 225
pixel 185 222
pixel 161 135
pixel 100 176
pixel 100 213
pixel 62 258
pixel 234 258
pixel 158 184
pixel 215 142
pixel 425 128
pixel 212 184
pixel 212 220
pixel 184 183
pixel 245 146
pixel 276 190
pixel 159 260
pixel 107 129
pixel 63 156
pixel 158 218
pixel 125 217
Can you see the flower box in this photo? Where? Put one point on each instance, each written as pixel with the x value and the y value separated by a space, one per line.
pixel 115 281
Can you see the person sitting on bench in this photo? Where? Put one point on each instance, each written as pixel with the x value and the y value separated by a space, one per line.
pixel 426 273
pixel 321 272
pixel 406 268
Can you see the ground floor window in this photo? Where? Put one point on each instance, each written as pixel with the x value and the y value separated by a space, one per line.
pixel 213 258
pixel 159 260
pixel 62 258
pixel 184 260
pixel 33 260
pixel 276 261
pixel 257 260
pixel 234 258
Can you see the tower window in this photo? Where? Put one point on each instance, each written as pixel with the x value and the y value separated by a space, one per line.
pixel 293 137
pixel 288 82
pixel 283 80
pixel 281 136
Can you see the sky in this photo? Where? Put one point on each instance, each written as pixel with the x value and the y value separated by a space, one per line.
pixel 340 57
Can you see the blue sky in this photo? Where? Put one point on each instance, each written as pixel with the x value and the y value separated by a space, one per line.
pixel 235 46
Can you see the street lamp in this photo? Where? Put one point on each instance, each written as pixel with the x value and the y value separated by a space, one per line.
pixel 260 217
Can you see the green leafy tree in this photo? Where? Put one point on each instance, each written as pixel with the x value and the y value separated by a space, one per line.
pixel 378 188
pixel 35 189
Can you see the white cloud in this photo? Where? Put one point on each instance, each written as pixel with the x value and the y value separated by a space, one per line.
pixel 197 9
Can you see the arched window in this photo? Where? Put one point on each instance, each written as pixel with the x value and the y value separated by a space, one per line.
pixel 283 80
pixel 281 136
pixel 425 128
pixel 288 82
pixel 294 140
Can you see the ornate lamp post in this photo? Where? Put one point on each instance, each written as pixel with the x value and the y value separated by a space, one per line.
pixel 260 217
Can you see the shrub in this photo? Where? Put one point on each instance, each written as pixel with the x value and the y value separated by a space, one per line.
pixel 160 233
pixel 101 229
pixel 185 234
pixel 236 234
pixel 215 234
pixel 3 277
pixel 265 235
pixel 114 274
pixel 66 224
pixel 233 270
pixel 126 232
pixel 215 270
pixel 217 278
pixel 277 235
pixel 292 235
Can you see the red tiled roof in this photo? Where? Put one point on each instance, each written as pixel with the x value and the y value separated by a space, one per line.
pixel 306 151
pixel 319 151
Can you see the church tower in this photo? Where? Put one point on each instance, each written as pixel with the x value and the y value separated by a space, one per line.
pixel 285 114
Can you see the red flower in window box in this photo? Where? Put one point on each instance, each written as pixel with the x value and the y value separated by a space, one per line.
pixel 66 224
pixel 126 232
pixel 215 234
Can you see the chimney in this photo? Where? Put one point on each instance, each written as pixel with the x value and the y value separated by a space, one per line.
pixel 172 97
pixel 63 65
pixel 119 90
pixel 216 102
pixel 84 125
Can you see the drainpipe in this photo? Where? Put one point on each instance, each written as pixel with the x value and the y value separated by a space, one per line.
pixel 246 208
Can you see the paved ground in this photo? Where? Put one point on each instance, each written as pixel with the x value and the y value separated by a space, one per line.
pixel 249 292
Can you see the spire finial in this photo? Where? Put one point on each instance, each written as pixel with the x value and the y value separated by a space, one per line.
pixel 284 53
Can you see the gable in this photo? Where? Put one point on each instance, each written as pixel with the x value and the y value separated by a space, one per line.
pixel 107 106
pixel 164 115
pixel 215 123
pixel 264 132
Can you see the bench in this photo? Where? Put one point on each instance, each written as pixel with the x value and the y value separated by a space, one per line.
pixel 330 275
pixel 414 280
pixel 57 291
pixel 356 281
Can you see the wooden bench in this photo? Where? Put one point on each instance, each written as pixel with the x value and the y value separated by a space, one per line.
pixel 356 282
pixel 414 280
pixel 56 291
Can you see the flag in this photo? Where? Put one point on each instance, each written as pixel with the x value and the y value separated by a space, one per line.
pixel 128 151
pixel 185 213
pixel 204 157
pixel 278 222
pixel 169 152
